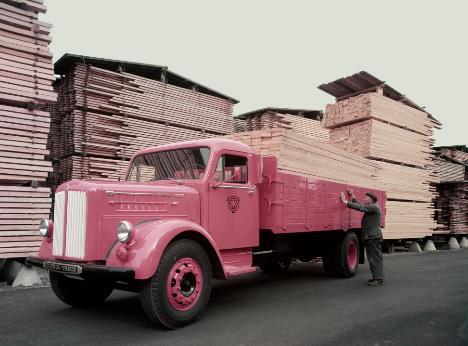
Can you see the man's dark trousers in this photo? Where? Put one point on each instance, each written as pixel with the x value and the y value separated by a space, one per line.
pixel 375 257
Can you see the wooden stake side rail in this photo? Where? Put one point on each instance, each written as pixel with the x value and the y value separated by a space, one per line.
pixel 26 75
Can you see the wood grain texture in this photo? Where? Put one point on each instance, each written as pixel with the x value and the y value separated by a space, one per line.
pixel 26 75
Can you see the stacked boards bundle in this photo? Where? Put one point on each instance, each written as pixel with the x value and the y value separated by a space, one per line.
pixel 26 75
pixel 452 202
pixel 270 119
pixel 399 139
pixel 103 117
pixel 452 198
pixel 303 155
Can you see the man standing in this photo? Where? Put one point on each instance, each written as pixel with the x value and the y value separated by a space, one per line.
pixel 371 233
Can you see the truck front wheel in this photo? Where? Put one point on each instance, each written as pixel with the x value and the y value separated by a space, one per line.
pixel 79 293
pixel 342 259
pixel 179 291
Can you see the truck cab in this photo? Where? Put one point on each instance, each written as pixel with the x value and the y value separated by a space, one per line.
pixel 187 213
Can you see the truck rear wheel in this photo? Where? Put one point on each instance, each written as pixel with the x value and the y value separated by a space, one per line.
pixel 179 291
pixel 79 293
pixel 275 265
pixel 343 258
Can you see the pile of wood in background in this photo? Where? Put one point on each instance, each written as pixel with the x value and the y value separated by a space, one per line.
pixel 452 199
pixel 375 121
pixel 26 75
pixel 304 122
pixel 104 115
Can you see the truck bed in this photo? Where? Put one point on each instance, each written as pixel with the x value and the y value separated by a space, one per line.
pixel 291 203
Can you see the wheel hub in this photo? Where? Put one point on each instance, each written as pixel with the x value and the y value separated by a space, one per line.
pixel 184 284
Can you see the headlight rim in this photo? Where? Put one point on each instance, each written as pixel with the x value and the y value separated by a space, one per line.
pixel 129 232
pixel 48 226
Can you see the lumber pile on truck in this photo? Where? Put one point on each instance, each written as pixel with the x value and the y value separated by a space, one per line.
pixel 452 198
pixel 26 75
pixel 306 156
pixel 304 122
pixel 371 119
pixel 107 110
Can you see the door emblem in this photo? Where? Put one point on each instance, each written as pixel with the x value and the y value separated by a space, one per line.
pixel 233 203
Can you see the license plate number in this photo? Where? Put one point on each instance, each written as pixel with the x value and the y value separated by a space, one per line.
pixel 62 268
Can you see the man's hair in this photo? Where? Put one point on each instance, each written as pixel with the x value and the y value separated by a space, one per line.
pixel 371 195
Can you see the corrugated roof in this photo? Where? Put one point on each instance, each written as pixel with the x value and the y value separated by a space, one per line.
pixel 363 82
pixel 68 61
pixel 306 113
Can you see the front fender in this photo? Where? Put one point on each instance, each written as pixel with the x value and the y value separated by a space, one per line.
pixel 148 245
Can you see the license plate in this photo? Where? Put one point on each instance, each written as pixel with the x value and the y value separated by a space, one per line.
pixel 62 268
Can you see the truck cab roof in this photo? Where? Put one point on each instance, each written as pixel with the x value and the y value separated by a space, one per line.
pixel 214 144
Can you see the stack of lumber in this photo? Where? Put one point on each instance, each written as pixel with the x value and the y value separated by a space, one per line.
pixel 239 125
pixel 450 170
pixel 304 155
pixel 399 139
pixel 452 201
pixel 26 75
pixel 103 117
pixel 303 126
pixel 452 198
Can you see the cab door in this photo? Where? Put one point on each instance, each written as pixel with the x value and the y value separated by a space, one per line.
pixel 233 201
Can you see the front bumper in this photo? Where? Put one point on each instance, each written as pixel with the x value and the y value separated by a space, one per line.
pixel 86 271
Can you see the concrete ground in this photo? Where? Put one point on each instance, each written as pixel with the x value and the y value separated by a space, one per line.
pixel 424 302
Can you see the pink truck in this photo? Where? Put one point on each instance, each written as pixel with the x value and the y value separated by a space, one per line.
pixel 188 213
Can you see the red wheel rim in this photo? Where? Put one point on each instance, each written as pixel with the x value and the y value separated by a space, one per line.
pixel 352 255
pixel 184 284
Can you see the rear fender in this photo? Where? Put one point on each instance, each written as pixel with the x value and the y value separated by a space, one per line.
pixel 151 239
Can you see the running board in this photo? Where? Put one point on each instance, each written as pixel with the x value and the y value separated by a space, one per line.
pixel 237 261
pixel 233 271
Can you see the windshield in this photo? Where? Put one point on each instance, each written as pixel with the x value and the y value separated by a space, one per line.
pixel 186 164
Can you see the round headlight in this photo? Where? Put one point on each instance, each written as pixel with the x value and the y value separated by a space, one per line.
pixel 45 228
pixel 124 231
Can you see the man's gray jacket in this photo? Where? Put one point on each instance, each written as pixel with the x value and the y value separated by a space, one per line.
pixel 370 223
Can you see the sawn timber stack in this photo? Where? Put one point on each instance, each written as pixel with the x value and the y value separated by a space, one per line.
pixel 26 75
pixel 371 119
pixel 107 110
pixel 303 155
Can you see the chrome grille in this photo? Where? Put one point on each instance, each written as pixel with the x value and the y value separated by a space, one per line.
pixel 76 225
pixel 59 208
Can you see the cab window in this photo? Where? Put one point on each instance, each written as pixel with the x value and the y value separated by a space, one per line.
pixel 231 169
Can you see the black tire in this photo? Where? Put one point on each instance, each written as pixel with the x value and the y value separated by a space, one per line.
pixel 154 297
pixel 337 262
pixel 275 265
pixel 79 293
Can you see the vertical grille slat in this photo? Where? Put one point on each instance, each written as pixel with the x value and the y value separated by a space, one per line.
pixel 59 212
pixel 76 225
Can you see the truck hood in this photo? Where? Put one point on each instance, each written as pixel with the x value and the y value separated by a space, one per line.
pixel 109 203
